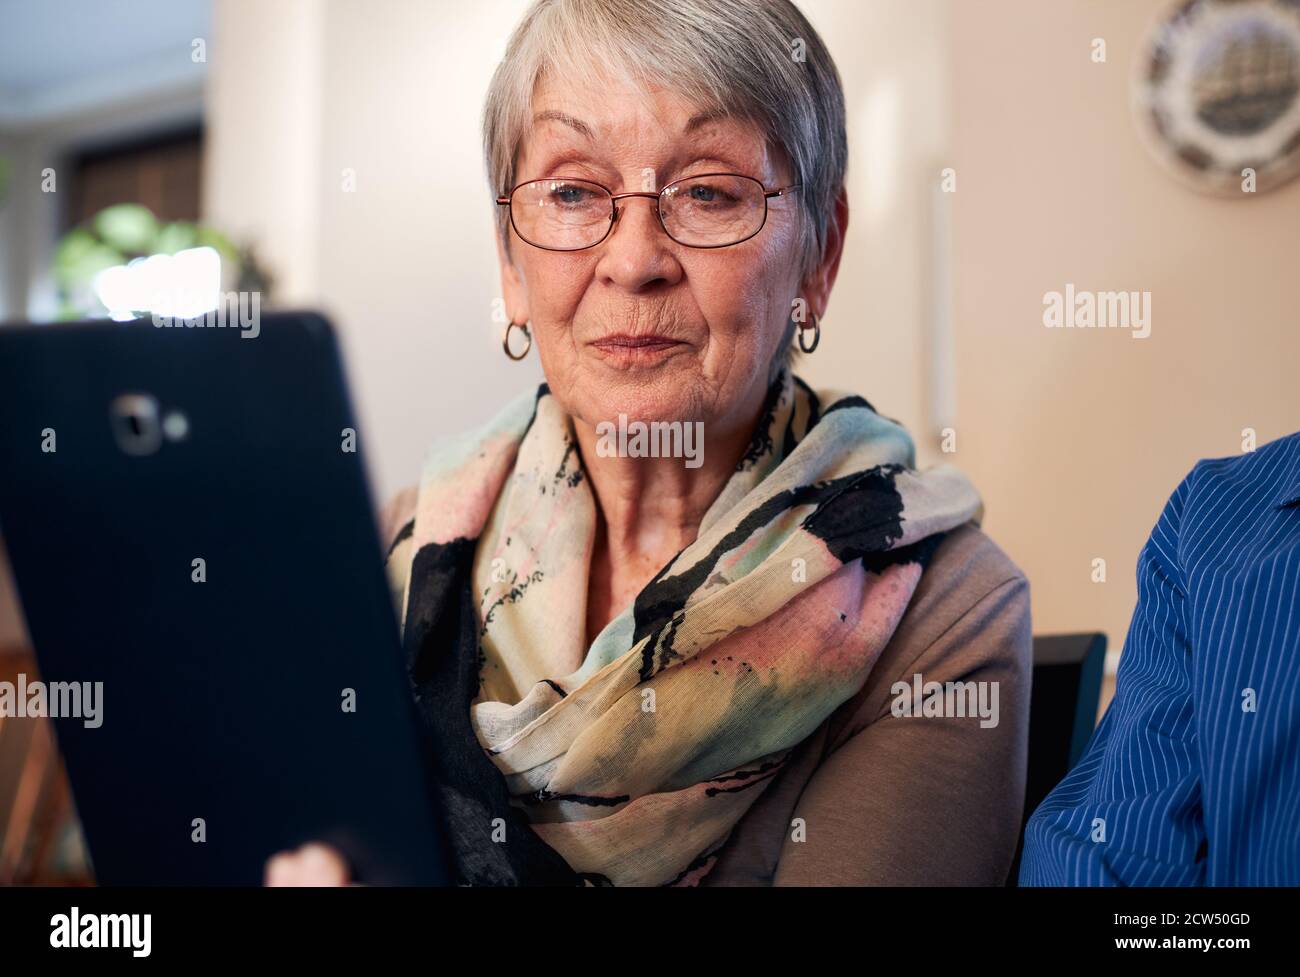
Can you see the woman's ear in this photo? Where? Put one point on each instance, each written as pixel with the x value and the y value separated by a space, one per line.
pixel 514 291
pixel 816 287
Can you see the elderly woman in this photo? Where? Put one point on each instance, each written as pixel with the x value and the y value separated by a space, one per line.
pixel 674 617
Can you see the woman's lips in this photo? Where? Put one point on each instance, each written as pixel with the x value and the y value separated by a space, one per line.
pixel 630 350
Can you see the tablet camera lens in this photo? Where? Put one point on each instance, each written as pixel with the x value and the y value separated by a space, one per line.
pixel 136 424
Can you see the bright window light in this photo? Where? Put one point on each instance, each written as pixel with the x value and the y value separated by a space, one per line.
pixel 181 285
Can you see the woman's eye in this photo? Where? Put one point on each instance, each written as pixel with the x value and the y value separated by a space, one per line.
pixel 704 193
pixel 571 195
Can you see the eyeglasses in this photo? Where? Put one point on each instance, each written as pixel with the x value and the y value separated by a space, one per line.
pixel 710 210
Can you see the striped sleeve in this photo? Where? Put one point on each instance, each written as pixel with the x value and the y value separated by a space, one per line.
pixel 1129 813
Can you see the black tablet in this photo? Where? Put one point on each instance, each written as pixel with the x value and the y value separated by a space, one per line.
pixel 194 544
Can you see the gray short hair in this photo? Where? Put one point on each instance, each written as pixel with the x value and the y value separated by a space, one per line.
pixel 757 59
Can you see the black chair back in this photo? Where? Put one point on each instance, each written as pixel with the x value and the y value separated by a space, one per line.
pixel 1062 713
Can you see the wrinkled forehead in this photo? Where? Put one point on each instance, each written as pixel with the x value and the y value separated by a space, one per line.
pixel 630 127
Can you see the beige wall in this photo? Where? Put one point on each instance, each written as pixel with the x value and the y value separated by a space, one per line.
pixel 1076 438
pixel 878 332
pixel 263 115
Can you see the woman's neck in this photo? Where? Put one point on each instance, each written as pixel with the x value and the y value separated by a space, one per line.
pixel 650 508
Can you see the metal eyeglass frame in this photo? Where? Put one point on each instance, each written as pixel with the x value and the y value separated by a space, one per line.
pixel 614 211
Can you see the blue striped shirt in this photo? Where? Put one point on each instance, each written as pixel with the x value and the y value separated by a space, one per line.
pixel 1193 775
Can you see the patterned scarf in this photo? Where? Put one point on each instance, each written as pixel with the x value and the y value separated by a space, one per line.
pixel 630 761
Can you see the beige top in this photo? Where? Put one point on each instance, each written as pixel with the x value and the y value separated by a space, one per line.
pixel 898 800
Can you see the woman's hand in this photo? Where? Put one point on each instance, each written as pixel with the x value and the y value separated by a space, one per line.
pixel 312 864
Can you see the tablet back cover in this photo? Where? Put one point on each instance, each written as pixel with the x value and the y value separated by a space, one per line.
pixel 254 700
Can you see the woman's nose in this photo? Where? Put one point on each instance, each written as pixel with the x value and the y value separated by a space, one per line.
pixel 638 252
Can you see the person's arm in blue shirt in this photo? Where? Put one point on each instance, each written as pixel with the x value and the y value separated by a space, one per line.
pixel 1130 812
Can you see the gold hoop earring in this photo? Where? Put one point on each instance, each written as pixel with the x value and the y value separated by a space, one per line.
pixel 817 334
pixel 505 340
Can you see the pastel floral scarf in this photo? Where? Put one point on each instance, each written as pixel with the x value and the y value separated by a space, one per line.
pixel 630 761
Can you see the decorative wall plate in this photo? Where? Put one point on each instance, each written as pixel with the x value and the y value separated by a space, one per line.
pixel 1218 91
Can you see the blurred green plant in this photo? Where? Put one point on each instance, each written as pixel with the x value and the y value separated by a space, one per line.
pixel 5 169
pixel 123 232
